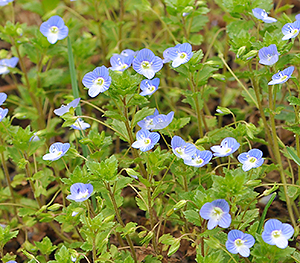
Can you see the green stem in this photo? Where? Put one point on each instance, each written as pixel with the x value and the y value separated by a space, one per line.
pixel 113 200
pixel 278 157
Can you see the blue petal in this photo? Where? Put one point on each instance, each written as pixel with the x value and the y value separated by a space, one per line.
pixel 56 21
pixel 205 210
pixel 221 203
pixel 141 134
pixel 225 220
pixel 255 153
pixel 3 97
pixel 63 32
pixel 272 224
pixel 231 247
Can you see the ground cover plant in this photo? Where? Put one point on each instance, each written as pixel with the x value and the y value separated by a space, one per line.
pixel 149 131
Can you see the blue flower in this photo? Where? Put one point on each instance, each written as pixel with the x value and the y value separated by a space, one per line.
pixel 147 122
pixel 149 86
pixel 3 3
pixel 65 108
pixel 11 261
pixel 239 242
pixel 54 29
pixel 217 213
pixel 180 54
pixel 120 63
pixel 3 113
pixel 268 55
pixel 251 159
pixel 282 76
pixel 262 15
pixel 161 121
pixel 182 149
pixel 199 158
pixel 80 125
pixel 3 98
pixel 34 138
pixel 297 17
pixel 166 53
pixel 146 63
pixel 6 63
pixel 145 140
pixel 129 52
pixel 228 146
pixel 277 233
pixel 80 192
pixel 97 81
pixel 56 150
pixel 290 30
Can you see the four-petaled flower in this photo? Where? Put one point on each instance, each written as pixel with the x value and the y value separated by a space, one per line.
pixel 65 108
pixel 268 55
pixel 3 113
pixel 80 125
pixel 147 122
pixel 3 3
pixel 6 63
pixel 239 242
pixel 217 213
pixel 277 233
pixel 251 159
pixel 290 30
pixel 199 158
pixel 56 151
pixel 262 15
pixel 179 54
pixel 228 146
pixel 146 63
pixel 161 121
pixel 97 81
pixel 80 192
pixel 182 149
pixel 54 29
pixel 149 86
pixel 282 76
pixel 120 63
pixel 145 140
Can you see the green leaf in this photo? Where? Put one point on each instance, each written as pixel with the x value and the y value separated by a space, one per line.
pixel 293 155
pixel 193 217
pixel 45 246
pixel 174 247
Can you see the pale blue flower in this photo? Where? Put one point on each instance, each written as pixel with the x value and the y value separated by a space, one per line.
pixel 166 54
pixel 97 81
pixel 145 140
pixel 282 76
pixel 6 63
pixel 228 146
pixel 182 149
pixel 147 122
pixel 277 233
pixel 161 121
pixel 180 54
pixel 268 55
pixel 146 63
pixel 291 30
pixel 3 113
pixel 251 159
pixel 199 158
pixel 56 151
pixel 80 125
pixel 149 86
pixel 80 192
pixel 217 214
pixel 3 98
pixel 5 2
pixel 66 108
pixel 54 29
pixel 262 15
pixel 120 63
pixel 129 52
pixel 239 242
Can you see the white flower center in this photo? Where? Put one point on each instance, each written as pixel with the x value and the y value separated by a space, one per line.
pixel 99 81
pixel 146 65
pixel 252 160
pixel 239 242
pixel 198 160
pixel 217 213
pixel 83 194
pixel 147 141
pixel 54 29
pixel 276 233
pixel 183 55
